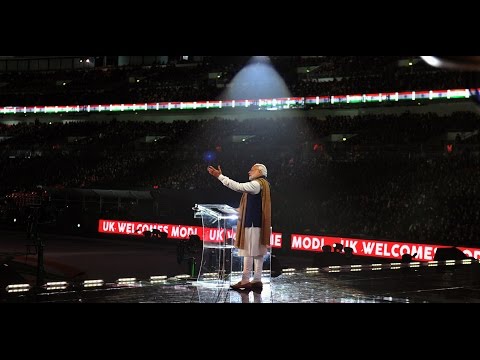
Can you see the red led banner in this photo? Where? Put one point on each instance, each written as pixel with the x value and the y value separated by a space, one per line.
pixel 173 231
pixel 374 248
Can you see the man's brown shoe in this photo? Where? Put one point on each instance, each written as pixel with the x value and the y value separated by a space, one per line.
pixel 240 286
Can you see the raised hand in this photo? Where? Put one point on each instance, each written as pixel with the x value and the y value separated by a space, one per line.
pixel 214 172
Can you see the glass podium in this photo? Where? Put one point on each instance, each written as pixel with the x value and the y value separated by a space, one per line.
pixel 220 264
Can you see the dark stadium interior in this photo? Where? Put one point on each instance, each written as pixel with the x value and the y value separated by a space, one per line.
pixel 384 148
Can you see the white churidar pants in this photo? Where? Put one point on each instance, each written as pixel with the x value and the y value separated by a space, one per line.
pixel 253 251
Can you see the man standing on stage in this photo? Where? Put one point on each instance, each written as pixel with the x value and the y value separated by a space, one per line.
pixel 254 222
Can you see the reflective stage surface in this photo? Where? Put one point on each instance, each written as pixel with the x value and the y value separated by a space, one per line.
pixel 458 283
pixel 76 260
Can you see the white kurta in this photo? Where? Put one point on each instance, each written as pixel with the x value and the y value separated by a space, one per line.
pixel 252 243
pixel 252 234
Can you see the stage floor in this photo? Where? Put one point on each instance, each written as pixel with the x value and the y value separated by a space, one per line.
pixel 76 259
pixel 440 284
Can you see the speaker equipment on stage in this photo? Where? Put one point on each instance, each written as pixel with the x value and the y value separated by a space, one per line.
pixel 159 234
pixel 337 247
pixel 275 267
pixel 407 258
pixel 195 241
pixel 449 253
pixel 326 248
pixel 189 251
pixel 348 251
